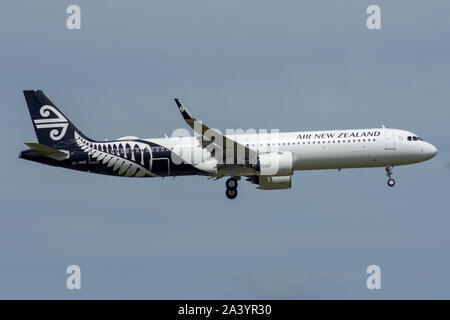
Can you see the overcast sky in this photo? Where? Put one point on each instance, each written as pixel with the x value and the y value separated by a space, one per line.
pixel 288 65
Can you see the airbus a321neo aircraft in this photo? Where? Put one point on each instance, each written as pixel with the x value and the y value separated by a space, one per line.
pixel 267 160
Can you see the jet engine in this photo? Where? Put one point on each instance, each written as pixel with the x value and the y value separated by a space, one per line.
pixel 271 182
pixel 275 164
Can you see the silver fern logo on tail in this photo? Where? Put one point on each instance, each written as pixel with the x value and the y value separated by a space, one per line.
pixel 124 167
pixel 59 123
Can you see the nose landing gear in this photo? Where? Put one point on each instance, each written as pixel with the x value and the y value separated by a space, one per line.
pixel 231 185
pixel 390 182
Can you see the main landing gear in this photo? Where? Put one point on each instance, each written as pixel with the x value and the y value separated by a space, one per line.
pixel 390 182
pixel 231 185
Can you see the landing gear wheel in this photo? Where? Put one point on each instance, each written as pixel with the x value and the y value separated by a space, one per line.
pixel 231 183
pixel 231 193
pixel 391 182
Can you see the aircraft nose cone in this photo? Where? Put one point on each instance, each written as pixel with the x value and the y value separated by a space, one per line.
pixel 429 151
pixel 432 150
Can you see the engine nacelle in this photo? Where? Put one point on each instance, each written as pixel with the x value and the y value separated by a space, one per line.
pixel 274 182
pixel 275 164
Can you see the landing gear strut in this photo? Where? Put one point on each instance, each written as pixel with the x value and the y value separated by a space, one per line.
pixel 231 185
pixel 390 182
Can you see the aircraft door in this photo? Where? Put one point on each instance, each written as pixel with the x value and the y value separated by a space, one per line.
pixel 389 135
pixel 161 166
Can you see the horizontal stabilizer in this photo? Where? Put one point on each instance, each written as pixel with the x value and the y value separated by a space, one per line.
pixel 48 151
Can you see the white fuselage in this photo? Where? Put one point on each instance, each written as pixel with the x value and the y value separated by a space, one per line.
pixel 329 149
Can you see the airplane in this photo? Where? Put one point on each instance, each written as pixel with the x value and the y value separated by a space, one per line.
pixel 265 159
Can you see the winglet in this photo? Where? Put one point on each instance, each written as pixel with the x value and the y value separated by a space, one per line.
pixel 190 120
pixel 186 115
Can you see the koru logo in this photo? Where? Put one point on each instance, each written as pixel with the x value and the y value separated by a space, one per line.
pixel 58 123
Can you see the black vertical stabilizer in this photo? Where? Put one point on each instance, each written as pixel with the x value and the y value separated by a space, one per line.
pixel 50 124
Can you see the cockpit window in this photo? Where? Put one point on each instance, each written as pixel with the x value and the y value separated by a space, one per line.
pixel 414 138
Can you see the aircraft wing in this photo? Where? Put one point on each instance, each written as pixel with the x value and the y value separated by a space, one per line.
pixel 240 153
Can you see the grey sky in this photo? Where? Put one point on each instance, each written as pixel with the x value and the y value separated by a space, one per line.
pixel 288 65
